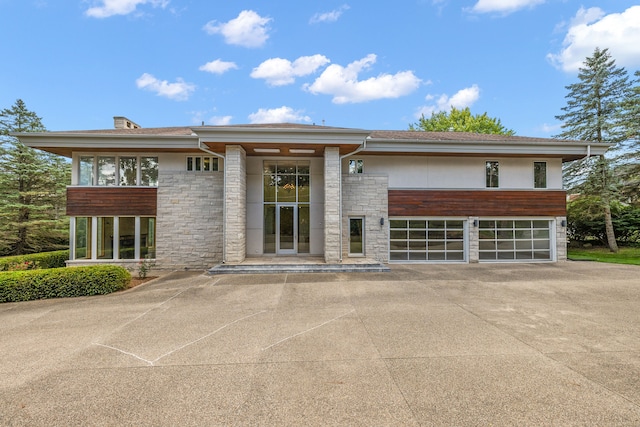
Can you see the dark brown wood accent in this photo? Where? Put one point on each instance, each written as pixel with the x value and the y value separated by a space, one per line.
pixel 249 148
pixel 111 201
pixel 477 203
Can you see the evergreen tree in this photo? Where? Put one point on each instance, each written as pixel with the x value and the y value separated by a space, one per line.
pixel 630 169
pixel 32 188
pixel 460 121
pixel 593 113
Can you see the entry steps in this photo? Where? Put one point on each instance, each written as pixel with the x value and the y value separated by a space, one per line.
pixel 298 268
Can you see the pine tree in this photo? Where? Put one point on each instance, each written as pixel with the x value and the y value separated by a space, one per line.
pixel 593 113
pixel 32 189
pixel 629 170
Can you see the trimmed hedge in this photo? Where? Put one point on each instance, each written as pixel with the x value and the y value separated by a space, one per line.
pixel 54 259
pixel 62 282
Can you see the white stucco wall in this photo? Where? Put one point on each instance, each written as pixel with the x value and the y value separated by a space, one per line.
pixel 460 173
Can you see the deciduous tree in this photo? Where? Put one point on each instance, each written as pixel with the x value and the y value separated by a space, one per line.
pixel 460 121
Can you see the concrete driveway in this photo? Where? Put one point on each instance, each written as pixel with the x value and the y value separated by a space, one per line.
pixel 530 344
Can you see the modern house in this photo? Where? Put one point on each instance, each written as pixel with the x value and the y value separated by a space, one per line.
pixel 194 197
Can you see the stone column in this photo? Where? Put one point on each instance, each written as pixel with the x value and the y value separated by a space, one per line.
pixel 474 239
pixel 332 205
pixel 235 193
pixel 561 239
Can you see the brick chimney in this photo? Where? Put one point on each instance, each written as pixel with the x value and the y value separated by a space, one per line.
pixel 120 122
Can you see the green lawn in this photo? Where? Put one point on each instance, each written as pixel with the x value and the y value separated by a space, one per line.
pixel 624 256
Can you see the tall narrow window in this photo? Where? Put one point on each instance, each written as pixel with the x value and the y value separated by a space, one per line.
pixel 356 166
pixel 86 171
pixel 492 174
pixel 539 174
pixel 105 238
pixel 127 237
pixel 83 238
pixel 147 237
pixel 128 170
pixel 149 171
pixel 106 170
pixel 356 236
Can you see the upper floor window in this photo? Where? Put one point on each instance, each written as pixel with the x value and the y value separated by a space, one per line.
pixel 492 174
pixel 202 164
pixel 539 174
pixel 118 170
pixel 356 166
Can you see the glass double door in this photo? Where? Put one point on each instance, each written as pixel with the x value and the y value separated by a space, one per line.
pixel 286 229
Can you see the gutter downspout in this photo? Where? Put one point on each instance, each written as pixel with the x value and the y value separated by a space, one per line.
pixel 224 198
pixel 357 150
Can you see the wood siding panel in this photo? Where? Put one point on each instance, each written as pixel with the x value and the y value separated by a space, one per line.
pixel 477 203
pixel 111 201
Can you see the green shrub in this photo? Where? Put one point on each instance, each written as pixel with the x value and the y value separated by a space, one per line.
pixel 54 259
pixel 62 282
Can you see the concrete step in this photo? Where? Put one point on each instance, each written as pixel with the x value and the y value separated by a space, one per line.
pixel 297 268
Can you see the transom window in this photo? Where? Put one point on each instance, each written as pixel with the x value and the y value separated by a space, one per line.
pixel 118 171
pixel 202 164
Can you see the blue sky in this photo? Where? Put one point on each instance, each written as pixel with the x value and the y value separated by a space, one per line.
pixel 360 64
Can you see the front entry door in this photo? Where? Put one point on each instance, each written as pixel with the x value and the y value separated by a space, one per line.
pixel 287 229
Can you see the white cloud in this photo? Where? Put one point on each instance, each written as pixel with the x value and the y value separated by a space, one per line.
pixel 249 29
pixel 591 28
pixel 343 84
pixel 283 114
pixel 220 120
pixel 178 91
pixel 461 99
pixel 218 66
pixel 332 16
pixel 281 72
pixel 504 7
pixel 109 8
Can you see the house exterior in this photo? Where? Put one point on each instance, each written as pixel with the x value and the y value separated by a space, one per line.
pixel 194 197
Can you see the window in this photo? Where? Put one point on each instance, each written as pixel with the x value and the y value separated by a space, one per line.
pixel 539 174
pixel 356 166
pixel 356 236
pixel 118 170
pixel 492 174
pixel 122 238
pixel 202 164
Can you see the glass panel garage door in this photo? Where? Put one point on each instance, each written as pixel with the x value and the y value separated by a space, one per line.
pixel 515 240
pixel 420 239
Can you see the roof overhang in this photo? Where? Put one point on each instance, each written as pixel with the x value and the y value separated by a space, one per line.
pixel 566 150
pixel 64 143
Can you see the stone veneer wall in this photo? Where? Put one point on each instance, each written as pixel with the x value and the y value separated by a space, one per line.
pixel 474 240
pixel 332 205
pixel 235 204
pixel 365 195
pixel 189 219
pixel 561 239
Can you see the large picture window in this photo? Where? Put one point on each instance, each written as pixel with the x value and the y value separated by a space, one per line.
pixel 114 238
pixel 118 170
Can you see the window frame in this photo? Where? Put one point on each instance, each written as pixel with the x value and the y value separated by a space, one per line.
pixel 83 168
pixel 196 164
pixel 492 169
pixel 356 166
pixel 536 177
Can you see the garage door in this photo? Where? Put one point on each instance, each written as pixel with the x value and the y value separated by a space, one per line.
pixel 423 239
pixel 517 240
